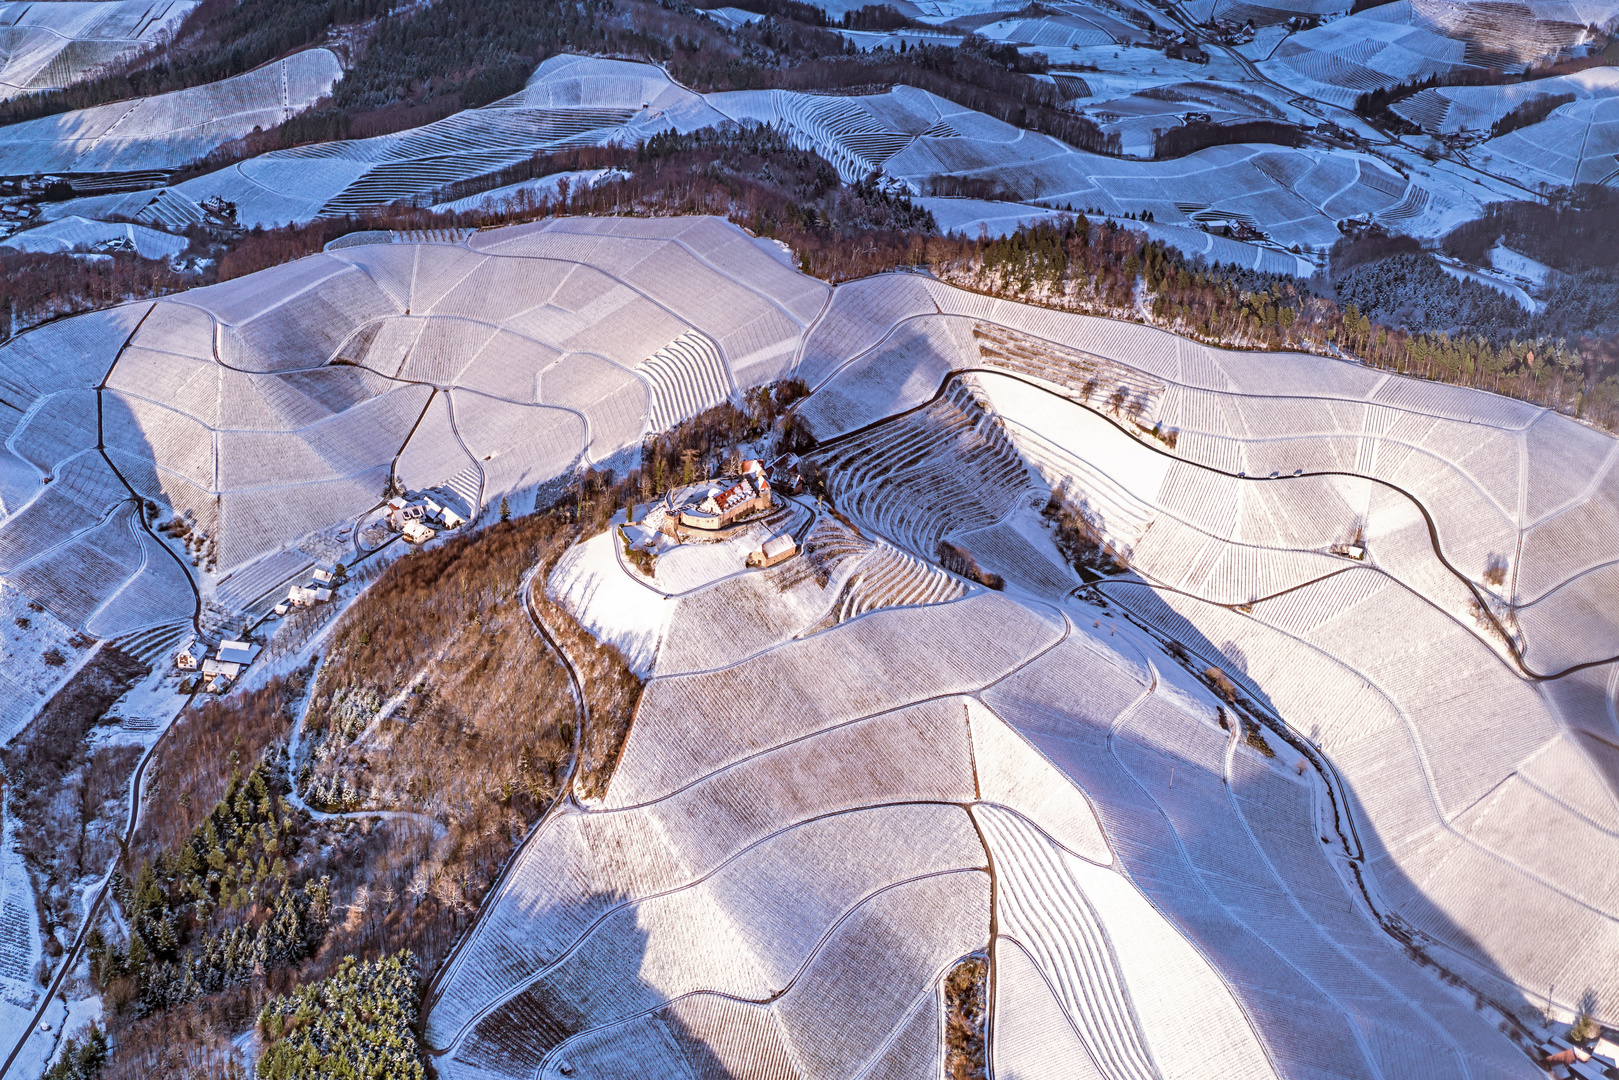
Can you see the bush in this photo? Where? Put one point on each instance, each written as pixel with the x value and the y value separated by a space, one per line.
pixel 965 1012
pixel 1222 685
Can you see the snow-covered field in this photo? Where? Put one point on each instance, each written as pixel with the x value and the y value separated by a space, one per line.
pixel 1214 887
pixel 273 407
pixel 169 130
pixel 1292 197
pixel 83 234
pixel 51 45
pixel 768 823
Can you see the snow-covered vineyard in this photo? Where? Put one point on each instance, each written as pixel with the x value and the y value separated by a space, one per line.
pixel 1291 198
pixel 855 767
pixel 164 132
pixel 1136 838
pixel 47 46
pixel 276 407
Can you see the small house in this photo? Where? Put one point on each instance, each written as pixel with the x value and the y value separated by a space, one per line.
pixel 323 577
pixel 451 519
pixel 417 533
pixel 191 656
pixel 219 684
pixel 237 652
pixel 283 607
pixel 776 550
pixel 308 595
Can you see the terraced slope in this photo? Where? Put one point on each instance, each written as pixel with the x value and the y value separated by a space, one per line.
pixel 274 406
pixel 51 45
pixel 815 873
pixel 1295 196
pixel 165 132
pixel 1452 691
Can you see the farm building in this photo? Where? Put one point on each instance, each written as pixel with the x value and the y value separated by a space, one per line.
pixel 219 683
pixel 237 652
pixel 417 533
pixel 191 655
pixel 401 516
pixel 720 509
pixel 776 550
pixel 221 667
pixel 308 595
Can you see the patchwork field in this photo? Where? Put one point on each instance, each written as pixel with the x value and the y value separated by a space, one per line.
pixel 51 45
pixel 1290 197
pixel 1335 689
pixel 1083 702
pixel 170 130
pixel 1360 563
pixel 272 407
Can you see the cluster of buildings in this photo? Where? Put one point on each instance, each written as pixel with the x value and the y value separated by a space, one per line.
pixel 323 580
pixel 222 669
pixel 1567 1061
pixel 414 517
pixel 750 493
pixel 719 509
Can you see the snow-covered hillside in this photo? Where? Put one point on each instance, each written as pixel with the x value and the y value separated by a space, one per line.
pixel 170 130
pixel 51 45
pixel 852 769
pixel 1293 196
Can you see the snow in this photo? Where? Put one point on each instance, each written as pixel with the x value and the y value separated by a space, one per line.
pixel 1080 433
pixel 530 191
pixel 1520 266
pixel 26 681
pixel 169 130
pixel 1294 196
pixel 611 603
pixel 1466 273
pixel 51 45
pixel 72 233
pixel 980 217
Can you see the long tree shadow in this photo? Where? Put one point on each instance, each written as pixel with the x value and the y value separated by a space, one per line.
pixel 1242 870
pixel 555 1026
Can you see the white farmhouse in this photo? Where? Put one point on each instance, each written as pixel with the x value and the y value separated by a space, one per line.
pixel 191 656
pixel 307 595
pixel 417 533
pixel 775 550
